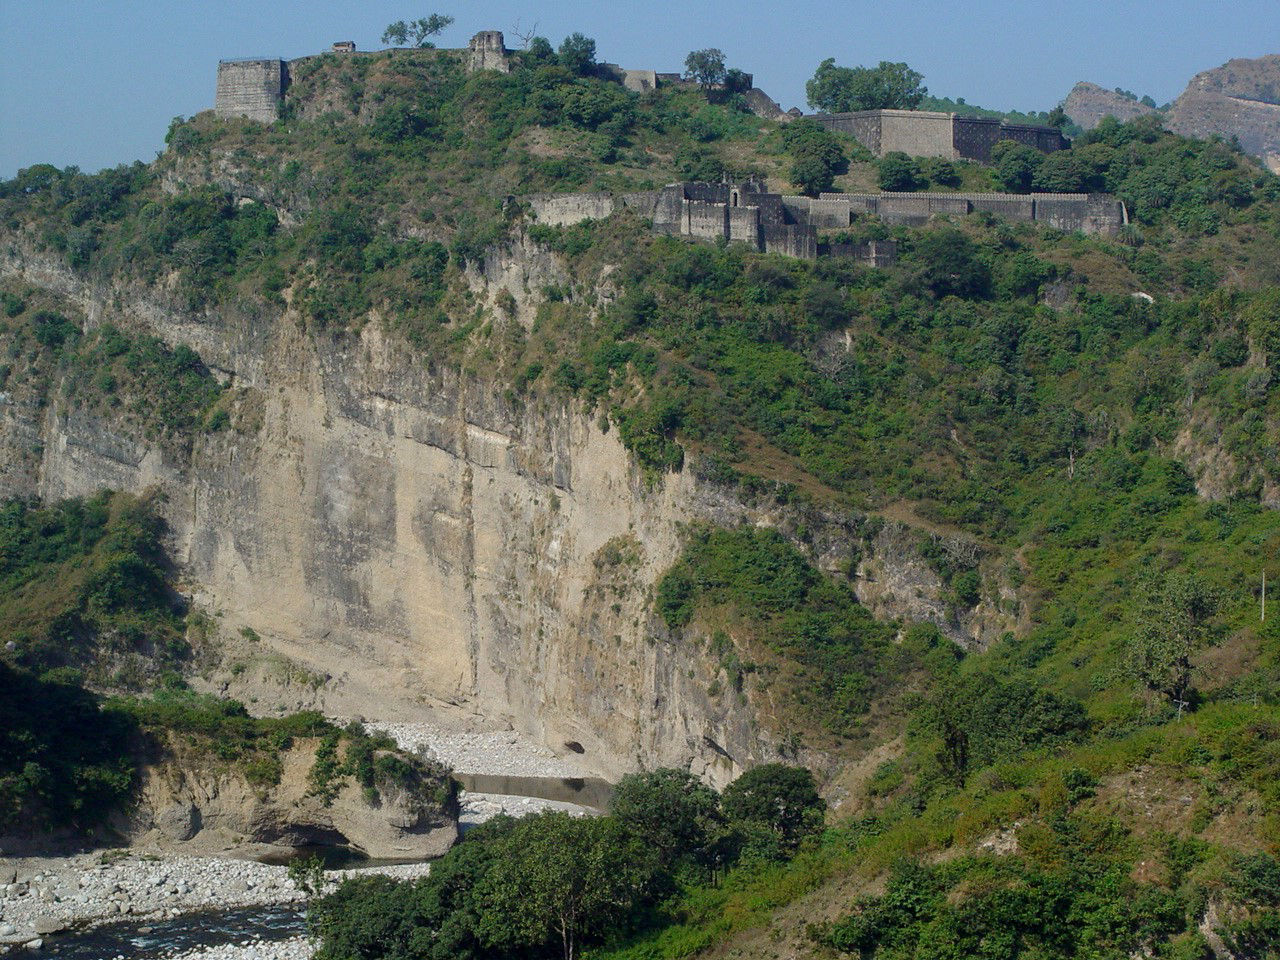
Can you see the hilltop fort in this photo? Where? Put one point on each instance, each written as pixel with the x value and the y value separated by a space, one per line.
pixel 746 212
pixel 255 89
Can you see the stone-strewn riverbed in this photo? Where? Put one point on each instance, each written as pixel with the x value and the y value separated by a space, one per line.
pixel 503 753
pixel 50 894
pixel 41 896
pixel 295 948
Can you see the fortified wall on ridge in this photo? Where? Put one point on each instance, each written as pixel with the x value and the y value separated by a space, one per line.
pixel 926 133
pixel 745 212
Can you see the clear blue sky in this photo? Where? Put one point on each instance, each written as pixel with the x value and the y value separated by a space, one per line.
pixel 96 83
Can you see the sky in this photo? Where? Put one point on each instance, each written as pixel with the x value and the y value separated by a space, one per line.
pixel 95 84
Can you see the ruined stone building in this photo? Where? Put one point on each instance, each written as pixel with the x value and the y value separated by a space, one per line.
pixel 251 88
pixel 742 212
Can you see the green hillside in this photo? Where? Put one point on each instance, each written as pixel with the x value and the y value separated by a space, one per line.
pixel 1095 421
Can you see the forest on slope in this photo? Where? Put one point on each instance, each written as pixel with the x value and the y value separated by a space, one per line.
pixel 1098 418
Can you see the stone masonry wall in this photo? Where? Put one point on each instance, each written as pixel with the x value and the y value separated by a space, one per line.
pixel 925 133
pixel 744 225
pixel 705 219
pixel 251 88
pixel 917 132
pixel 565 209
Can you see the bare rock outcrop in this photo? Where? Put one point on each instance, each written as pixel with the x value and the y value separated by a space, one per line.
pixel 1088 103
pixel 185 802
pixel 1239 99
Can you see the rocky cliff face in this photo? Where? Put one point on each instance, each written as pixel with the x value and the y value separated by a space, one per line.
pixel 1088 103
pixel 432 549
pixel 1239 99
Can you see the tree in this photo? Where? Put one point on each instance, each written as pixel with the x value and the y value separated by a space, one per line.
pixel 1063 171
pixel 817 156
pixel 558 879
pixel 1173 621
pixel 889 86
pixel 776 807
pixel 979 719
pixel 951 264
pixel 578 54
pixel 540 51
pixel 706 67
pixel 899 172
pixel 940 171
pixel 810 175
pixel 672 813
pixel 1016 164
pixel 416 33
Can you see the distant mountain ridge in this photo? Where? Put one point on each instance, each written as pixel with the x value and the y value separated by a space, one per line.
pixel 1239 99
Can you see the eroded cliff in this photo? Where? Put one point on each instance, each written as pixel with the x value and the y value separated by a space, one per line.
pixel 425 545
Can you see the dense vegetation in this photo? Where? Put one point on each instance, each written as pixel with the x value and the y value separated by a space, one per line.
pixel 84 587
pixel 764 585
pixel 554 884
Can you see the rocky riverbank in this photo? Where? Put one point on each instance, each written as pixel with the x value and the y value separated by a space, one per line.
pixel 49 894
pixel 295 948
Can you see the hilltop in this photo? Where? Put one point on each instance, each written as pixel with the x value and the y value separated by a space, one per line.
pixel 1240 100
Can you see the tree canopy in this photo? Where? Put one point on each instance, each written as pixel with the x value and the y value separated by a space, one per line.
pixel 706 67
pixel 578 54
pixel 416 33
pixel 889 86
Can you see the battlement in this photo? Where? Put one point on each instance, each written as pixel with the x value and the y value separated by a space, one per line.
pixel 927 133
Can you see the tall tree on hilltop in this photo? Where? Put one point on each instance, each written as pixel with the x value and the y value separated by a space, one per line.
pixel 706 67
pixel 416 33
pixel 578 54
pixel 889 86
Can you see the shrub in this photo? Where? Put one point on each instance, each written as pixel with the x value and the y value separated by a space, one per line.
pixel 898 172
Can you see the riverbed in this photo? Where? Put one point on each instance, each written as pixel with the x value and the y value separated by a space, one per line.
pixel 134 904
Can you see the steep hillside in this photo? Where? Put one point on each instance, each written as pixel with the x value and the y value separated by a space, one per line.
pixel 978 536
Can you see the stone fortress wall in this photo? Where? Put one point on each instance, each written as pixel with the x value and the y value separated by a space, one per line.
pixel 775 223
pixel 1095 213
pixel 927 133
pixel 251 88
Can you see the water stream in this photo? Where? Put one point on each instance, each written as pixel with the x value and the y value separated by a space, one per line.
pixel 137 939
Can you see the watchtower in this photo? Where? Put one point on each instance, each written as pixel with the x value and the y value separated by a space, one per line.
pixel 488 51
